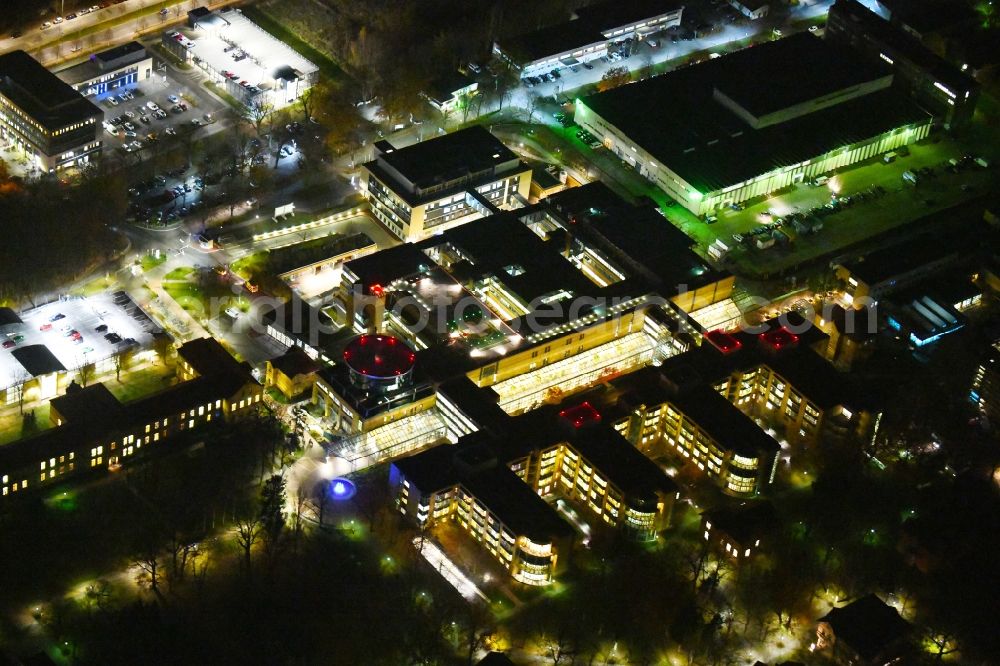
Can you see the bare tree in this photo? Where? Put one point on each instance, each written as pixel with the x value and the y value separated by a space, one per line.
pixel 163 346
pixel 85 372
pixel 322 500
pixel 122 360
pixel 147 559
pixel 248 532
pixel 559 647
pixel 257 114
pixel 19 378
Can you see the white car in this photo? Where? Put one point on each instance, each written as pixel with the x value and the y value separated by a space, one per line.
pixel 57 20
pixel 112 101
pixel 152 106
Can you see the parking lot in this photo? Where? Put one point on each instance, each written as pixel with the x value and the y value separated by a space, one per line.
pixel 713 28
pixel 131 123
pixel 106 323
pixel 859 202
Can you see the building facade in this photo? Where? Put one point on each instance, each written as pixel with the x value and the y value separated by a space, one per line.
pixel 932 80
pixel 443 182
pixel 788 129
pixel 593 30
pixel 94 431
pixel 118 68
pixel 44 117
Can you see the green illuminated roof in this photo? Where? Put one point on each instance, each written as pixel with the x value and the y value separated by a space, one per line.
pixel 675 118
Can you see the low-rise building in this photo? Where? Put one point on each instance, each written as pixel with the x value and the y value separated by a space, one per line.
pixel 111 70
pixel 985 392
pixel 752 9
pixel 865 632
pixel 443 182
pixel 94 431
pixel 777 378
pixel 587 36
pixel 44 117
pixel 293 373
pixel 377 383
pixel 740 532
pixel 449 93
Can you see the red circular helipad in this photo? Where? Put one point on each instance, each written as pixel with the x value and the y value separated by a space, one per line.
pixel 379 356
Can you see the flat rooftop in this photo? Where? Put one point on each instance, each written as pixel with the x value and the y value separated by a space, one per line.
pixel 103 62
pixel 432 165
pixel 744 523
pixel 267 57
pixel 590 27
pixel 474 465
pixel 552 40
pixel 40 93
pixel 787 72
pixel 723 421
pixel 606 16
pixel 676 118
pixel 880 30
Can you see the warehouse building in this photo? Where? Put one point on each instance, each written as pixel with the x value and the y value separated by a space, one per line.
pixel 44 117
pixel 755 121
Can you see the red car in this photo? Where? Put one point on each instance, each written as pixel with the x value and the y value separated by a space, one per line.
pixel 45 327
pixel 9 344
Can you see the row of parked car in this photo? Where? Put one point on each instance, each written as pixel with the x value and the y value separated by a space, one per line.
pixel 80 12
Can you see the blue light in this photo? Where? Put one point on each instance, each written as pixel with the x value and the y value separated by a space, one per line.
pixel 342 489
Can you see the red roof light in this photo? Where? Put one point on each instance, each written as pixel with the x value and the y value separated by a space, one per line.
pixel 778 338
pixel 723 341
pixel 581 414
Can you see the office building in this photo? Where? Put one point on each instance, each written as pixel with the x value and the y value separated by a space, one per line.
pixel 935 83
pixel 443 182
pixel 110 71
pixel 94 431
pixel 375 384
pixel 588 36
pixel 541 459
pixel 779 379
pixel 239 56
pixel 466 485
pixel 868 279
pixel 985 392
pixel 44 117
pixel 755 121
